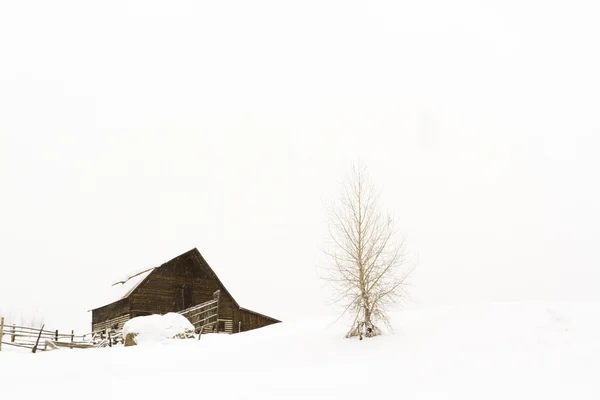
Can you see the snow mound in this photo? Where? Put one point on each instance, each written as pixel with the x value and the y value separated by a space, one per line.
pixel 157 328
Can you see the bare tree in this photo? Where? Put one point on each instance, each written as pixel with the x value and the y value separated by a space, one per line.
pixel 31 321
pixel 365 260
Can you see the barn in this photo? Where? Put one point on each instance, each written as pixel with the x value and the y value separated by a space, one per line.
pixel 181 283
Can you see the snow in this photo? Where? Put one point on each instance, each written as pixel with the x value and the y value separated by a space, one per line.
pixel 466 352
pixel 123 287
pixel 158 328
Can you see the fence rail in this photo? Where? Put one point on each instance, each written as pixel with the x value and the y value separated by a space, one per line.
pixel 29 337
pixel 202 315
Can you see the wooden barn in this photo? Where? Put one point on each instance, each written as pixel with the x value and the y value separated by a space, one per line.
pixel 183 282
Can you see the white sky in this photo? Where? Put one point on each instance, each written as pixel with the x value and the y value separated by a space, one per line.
pixel 133 131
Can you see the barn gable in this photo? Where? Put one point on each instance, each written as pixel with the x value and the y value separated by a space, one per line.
pixel 180 283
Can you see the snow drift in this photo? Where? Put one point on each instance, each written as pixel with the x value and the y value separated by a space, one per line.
pixel 468 352
pixel 157 328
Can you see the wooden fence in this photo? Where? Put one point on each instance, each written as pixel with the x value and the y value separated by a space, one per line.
pixel 204 316
pixel 39 338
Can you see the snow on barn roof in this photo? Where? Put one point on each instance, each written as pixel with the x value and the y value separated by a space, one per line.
pixel 123 288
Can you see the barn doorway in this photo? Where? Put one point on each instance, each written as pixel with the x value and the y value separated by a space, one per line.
pixel 183 297
pixel 187 296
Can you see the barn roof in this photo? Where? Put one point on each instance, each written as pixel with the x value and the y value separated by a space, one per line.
pixel 124 287
pixel 201 260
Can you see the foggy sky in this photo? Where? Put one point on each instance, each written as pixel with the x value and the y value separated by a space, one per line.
pixel 133 131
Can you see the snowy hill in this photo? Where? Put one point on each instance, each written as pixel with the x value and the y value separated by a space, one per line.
pixel 494 351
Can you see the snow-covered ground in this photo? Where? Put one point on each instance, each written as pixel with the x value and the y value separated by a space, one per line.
pixel 494 351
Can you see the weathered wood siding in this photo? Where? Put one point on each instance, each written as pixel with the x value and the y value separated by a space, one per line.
pixel 253 320
pixel 177 285
pixel 110 311
pixel 116 323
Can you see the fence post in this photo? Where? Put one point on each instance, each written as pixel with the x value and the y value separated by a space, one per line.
pixel 38 340
pixel 12 336
pixel 72 337
pixel 217 296
pixel 56 336
pixel 1 331
pixel 109 339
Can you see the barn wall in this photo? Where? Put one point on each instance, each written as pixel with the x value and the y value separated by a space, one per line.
pixel 116 323
pixel 252 320
pixel 111 311
pixel 176 285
